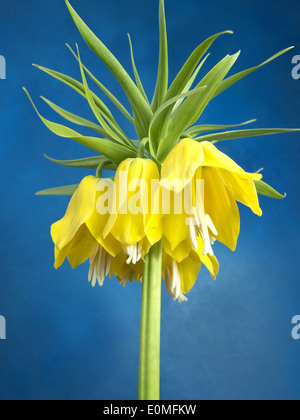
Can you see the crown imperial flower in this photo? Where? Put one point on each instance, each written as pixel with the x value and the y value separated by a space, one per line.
pixel 120 225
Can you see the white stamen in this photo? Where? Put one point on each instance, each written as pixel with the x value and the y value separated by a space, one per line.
pixel 134 252
pixel 99 265
pixel 173 282
pixel 192 232
pixel 202 224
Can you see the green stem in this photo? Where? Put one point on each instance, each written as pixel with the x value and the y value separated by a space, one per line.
pixel 149 365
pixel 141 151
pixel 101 166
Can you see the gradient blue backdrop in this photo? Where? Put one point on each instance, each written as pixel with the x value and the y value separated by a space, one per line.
pixel 65 340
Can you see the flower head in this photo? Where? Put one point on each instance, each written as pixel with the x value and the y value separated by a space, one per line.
pixel 78 235
pixel 133 223
pixel 181 276
pixel 215 183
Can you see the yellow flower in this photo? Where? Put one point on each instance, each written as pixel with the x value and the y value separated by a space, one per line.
pixel 133 223
pixel 212 211
pixel 78 235
pixel 181 276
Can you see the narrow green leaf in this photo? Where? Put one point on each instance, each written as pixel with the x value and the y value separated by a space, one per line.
pixel 86 163
pixel 115 152
pixel 115 132
pixel 265 189
pixel 236 77
pixel 138 103
pixel 194 105
pixel 75 118
pixel 190 82
pixel 113 99
pixel 183 77
pixel 136 74
pixel 163 64
pixel 239 134
pixel 164 106
pixel 77 86
pixel 200 129
pixel 187 70
pixel 67 190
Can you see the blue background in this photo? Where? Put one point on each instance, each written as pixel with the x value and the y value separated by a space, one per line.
pixel 66 340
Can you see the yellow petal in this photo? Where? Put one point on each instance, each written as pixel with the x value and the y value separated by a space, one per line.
pixel 120 269
pixel 82 248
pixel 60 255
pixel 242 190
pixel 97 221
pixel 133 221
pixel 150 199
pixel 175 226
pixel 181 252
pixel 215 158
pixel 181 164
pixel 221 207
pixel 212 264
pixel 189 270
pixel 80 209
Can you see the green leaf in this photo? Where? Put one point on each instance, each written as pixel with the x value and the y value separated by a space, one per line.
pixel 190 82
pixel 164 106
pixel 194 105
pixel 183 77
pixel 113 99
pixel 236 77
pixel 75 118
pixel 163 64
pixel 67 190
pixel 199 129
pixel 239 134
pixel 136 74
pixel 77 86
pixel 187 70
pixel 265 189
pixel 139 105
pixel 115 132
pixel 86 163
pixel 113 151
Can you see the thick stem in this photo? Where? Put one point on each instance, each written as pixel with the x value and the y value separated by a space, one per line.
pixel 149 365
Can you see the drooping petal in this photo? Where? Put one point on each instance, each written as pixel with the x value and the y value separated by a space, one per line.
pixel 82 236
pixel 181 164
pixel 221 207
pixel 212 264
pixel 181 252
pixel 80 209
pixel 216 159
pixel 125 272
pixel 242 190
pixel 133 222
pixel 189 270
pixel 82 248
pixel 98 219
pixel 175 229
pixel 150 200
